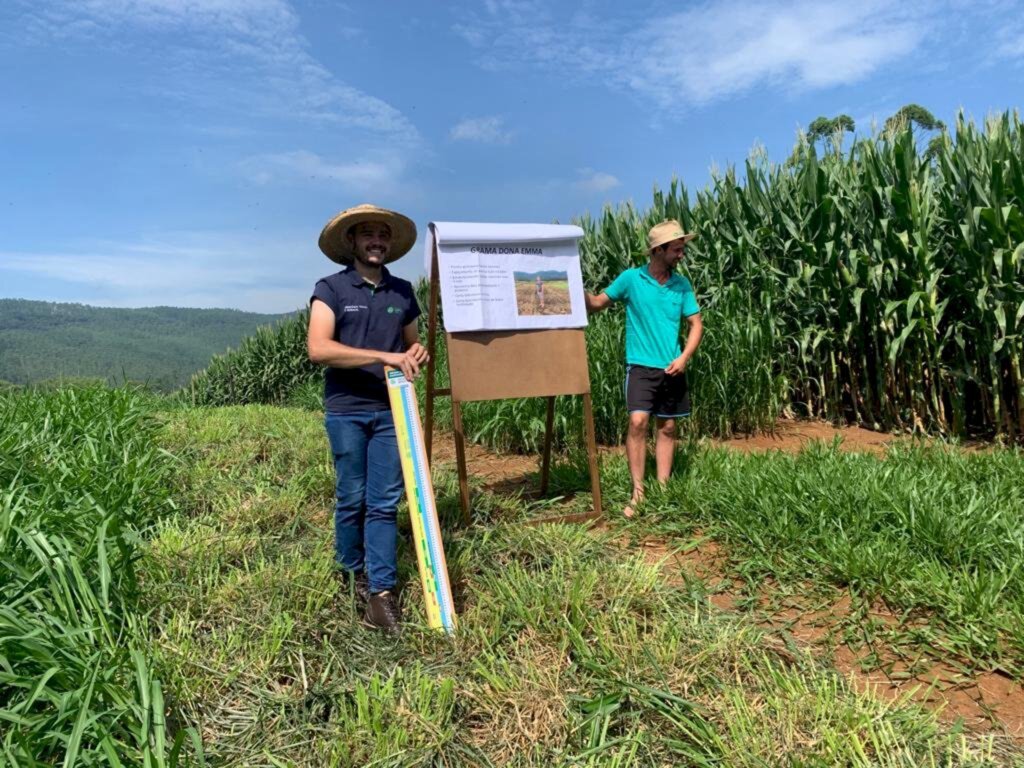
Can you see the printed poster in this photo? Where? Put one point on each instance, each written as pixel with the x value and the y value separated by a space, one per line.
pixel 509 276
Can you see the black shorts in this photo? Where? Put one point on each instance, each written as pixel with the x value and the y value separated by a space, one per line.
pixel 651 390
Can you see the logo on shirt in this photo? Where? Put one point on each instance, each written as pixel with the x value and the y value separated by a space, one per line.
pixel 354 307
pixel 394 310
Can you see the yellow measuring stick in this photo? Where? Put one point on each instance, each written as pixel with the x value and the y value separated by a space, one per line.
pixel 437 591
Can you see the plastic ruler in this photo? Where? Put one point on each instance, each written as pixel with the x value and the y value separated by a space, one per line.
pixel 437 591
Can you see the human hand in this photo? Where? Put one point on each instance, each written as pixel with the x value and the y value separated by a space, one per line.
pixel 419 352
pixel 405 362
pixel 676 367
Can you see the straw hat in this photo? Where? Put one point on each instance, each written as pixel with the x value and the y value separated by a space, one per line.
pixel 336 246
pixel 666 232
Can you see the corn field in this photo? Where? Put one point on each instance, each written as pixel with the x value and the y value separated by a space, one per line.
pixel 894 285
pixel 267 368
pixel 871 286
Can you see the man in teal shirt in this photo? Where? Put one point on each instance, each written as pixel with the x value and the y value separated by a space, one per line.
pixel 657 300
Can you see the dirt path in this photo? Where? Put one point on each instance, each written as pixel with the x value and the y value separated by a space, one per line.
pixel 989 701
pixel 791 436
pixel 498 471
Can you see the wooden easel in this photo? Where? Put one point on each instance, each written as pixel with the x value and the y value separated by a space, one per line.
pixel 496 365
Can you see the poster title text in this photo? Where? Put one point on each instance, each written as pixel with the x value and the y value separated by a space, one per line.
pixel 507 249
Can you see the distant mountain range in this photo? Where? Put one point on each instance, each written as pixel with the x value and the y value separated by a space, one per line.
pixel 162 346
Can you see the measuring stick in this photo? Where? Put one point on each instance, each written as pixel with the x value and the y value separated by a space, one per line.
pixel 437 591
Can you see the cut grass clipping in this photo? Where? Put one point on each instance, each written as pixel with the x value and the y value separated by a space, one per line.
pixel 572 651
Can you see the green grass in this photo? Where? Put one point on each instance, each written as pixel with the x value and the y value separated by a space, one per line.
pixel 81 479
pixel 935 533
pixel 168 583
pixel 571 651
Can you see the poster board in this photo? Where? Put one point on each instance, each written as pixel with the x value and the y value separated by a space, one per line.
pixel 495 365
pixel 500 364
pixel 497 277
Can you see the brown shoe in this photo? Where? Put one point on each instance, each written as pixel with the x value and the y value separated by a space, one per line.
pixel 383 612
pixel 355 583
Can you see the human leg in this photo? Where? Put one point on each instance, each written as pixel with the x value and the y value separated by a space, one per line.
pixel 383 492
pixel 636 456
pixel 664 447
pixel 641 385
pixel 347 434
pixel 671 403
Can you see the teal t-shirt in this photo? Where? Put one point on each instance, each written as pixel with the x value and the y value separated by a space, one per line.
pixel 653 315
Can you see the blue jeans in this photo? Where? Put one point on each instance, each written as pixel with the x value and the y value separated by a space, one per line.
pixel 368 489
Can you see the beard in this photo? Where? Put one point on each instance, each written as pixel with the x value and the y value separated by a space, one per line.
pixel 371 260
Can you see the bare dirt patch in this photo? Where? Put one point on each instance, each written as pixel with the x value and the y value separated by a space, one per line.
pixel 556 298
pixel 792 435
pixel 498 473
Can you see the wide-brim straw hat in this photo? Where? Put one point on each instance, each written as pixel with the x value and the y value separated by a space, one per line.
pixel 666 232
pixel 336 246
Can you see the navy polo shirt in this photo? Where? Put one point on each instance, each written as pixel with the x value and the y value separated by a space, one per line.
pixel 368 317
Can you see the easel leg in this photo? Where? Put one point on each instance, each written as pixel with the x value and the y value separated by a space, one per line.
pixel 460 459
pixel 545 467
pixel 595 477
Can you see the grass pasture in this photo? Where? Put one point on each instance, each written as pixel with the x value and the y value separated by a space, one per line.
pixel 167 595
pixel 572 649
pixel 202 623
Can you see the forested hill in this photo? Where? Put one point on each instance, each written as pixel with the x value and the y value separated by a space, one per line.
pixel 163 346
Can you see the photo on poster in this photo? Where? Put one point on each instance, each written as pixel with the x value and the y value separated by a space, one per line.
pixel 545 292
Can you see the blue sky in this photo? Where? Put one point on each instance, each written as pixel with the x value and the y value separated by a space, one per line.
pixel 187 152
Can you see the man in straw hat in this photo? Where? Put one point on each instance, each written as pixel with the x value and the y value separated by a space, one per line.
pixel 657 300
pixel 360 320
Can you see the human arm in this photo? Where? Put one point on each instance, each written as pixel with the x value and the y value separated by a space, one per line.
pixel 411 339
pixel 596 303
pixel 617 291
pixel 694 333
pixel 324 350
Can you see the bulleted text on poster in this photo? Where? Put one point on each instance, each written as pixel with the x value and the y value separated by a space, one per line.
pixel 509 286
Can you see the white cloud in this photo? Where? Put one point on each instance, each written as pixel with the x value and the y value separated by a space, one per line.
pixel 727 48
pixel 710 52
pixel 592 181
pixel 247 57
pixel 472 35
pixel 1011 44
pixel 485 130
pixel 378 173
pixel 238 270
